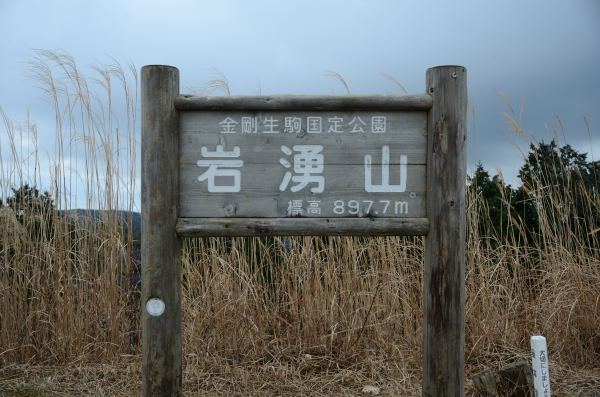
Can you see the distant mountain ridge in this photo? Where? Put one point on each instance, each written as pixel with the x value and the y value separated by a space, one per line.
pixel 99 215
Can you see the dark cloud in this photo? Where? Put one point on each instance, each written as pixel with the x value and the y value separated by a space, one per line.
pixel 546 51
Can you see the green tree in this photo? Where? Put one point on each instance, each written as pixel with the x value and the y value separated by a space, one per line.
pixel 563 183
pixel 556 181
pixel 33 209
pixel 492 199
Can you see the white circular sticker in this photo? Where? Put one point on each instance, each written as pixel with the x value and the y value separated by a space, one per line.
pixel 155 307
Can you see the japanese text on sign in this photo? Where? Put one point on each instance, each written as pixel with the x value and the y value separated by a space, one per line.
pixel 308 165
pixel 311 124
pixel 303 164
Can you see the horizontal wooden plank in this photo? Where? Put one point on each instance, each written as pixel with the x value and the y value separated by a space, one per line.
pixel 250 227
pixel 307 102
pixel 340 193
pixel 403 132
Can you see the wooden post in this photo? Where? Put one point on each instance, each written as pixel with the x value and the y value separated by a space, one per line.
pixel 161 247
pixel 444 273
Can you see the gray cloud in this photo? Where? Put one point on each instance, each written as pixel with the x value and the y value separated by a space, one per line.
pixel 544 50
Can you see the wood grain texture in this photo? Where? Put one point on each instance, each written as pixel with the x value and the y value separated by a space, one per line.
pixel 255 227
pixel 444 274
pixel 261 170
pixel 306 102
pixel 406 133
pixel 161 249
pixel 260 196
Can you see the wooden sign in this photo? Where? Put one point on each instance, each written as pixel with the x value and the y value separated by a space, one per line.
pixel 278 164
pixel 365 165
pixel 248 165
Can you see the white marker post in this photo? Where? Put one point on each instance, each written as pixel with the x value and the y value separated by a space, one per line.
pixel 539 362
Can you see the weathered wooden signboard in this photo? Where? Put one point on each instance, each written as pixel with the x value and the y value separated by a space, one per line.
pixel 363 165
pixel 278 164
pixel 270 166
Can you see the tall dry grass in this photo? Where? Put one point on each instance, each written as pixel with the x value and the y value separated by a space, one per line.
pixel 67 292
pixel 301 305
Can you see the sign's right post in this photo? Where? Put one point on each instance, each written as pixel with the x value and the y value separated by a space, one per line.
pixel 444 272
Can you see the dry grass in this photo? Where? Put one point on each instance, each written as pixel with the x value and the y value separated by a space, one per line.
pixel 67 291
pixel 299 316
pixel 123 377
pixel 338 77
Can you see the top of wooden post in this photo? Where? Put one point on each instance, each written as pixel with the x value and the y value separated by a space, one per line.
pixel 447 66
pixel 158 66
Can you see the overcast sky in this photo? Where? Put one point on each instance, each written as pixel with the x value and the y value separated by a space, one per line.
pixel 545 51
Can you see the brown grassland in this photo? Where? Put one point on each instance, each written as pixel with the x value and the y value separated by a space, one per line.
pixel 301 316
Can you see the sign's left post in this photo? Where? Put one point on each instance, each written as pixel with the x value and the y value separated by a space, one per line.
pixel 161 247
